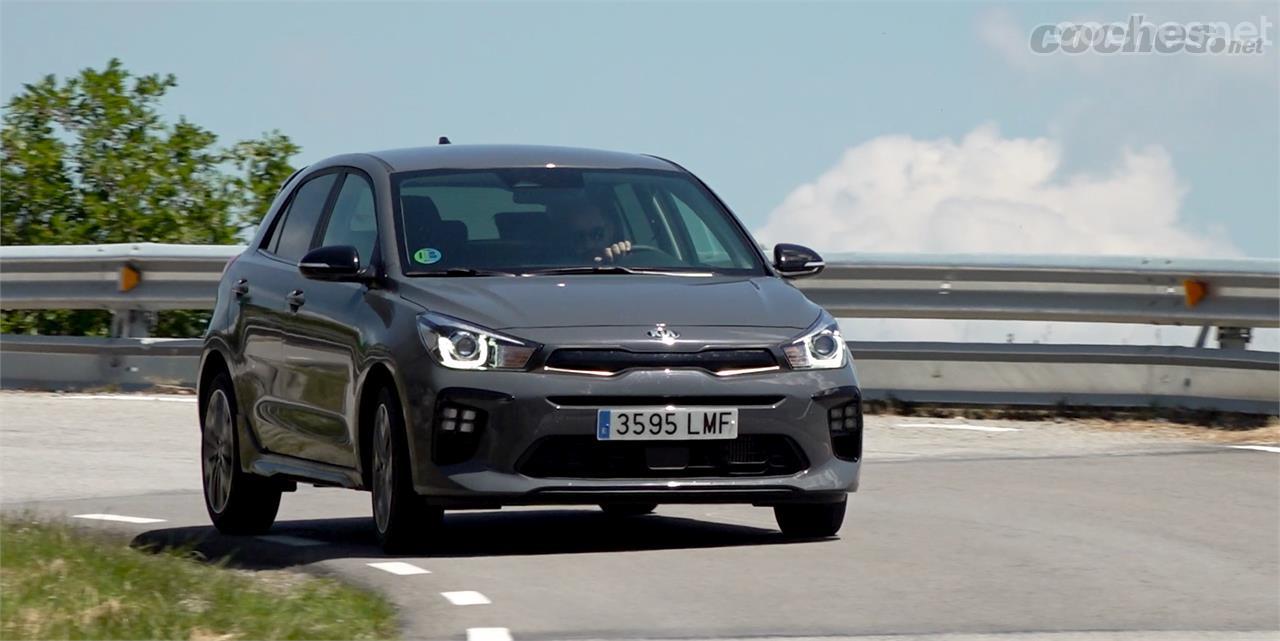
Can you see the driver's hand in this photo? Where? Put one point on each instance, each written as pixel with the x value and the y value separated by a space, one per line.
pixel 617 250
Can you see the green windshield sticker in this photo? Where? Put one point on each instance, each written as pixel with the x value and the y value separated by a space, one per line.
pixel 427 256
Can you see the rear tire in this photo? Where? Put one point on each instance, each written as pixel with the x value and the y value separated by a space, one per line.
pixel 401 518
pixel 810 520
pixel 628 509
pixel 238 502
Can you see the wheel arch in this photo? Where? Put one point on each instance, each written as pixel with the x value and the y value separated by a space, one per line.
pixel 379 375
pixel 212 363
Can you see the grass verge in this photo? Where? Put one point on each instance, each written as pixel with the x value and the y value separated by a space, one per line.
pixel 62 582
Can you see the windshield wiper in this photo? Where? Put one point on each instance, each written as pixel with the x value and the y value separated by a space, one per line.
pixel 587 269
pixel 616 269
pixel 464 271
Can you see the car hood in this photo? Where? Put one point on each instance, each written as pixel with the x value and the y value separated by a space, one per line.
pixel 600 300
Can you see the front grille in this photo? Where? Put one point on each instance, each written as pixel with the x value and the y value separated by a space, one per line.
pixel 764 400
pixel 617 360
pixel 586 457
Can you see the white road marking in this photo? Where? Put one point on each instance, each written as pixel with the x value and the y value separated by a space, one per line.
pixel 398 567
pixel 488 634
pixel 1260 448
pixel 961 426
pixel 117 517
pixel 168 398
pixel 466 597
pixel 295 541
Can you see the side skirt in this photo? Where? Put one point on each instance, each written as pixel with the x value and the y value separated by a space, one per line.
pixel 293 469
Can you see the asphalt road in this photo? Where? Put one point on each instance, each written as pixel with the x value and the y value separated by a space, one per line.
pixel 961 530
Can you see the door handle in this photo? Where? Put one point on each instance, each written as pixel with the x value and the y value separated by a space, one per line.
pixel 241 287
pixel 296 299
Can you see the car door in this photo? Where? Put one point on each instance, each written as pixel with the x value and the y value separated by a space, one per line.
pixel 326 342
pixel 275 416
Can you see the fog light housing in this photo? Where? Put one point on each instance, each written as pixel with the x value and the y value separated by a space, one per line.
pixel 845 423
pixel 457 433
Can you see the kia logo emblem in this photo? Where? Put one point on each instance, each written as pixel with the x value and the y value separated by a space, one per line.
pixel 663 334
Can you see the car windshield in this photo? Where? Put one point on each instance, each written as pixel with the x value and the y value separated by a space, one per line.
pixel 565 220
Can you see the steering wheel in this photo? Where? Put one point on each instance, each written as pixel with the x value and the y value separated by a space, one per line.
pixel 638 255
pixel 646 248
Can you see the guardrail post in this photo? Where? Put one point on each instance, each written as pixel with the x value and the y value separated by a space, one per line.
pixel 1234 337
pixel 1203 336
pixel 131 323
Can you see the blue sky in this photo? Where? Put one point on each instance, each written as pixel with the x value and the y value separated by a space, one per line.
pixel 759 99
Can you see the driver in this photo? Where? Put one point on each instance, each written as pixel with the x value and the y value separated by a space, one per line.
pixel 592 236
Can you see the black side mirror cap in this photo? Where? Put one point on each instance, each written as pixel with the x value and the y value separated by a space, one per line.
pixel 334 262
pixel 796 261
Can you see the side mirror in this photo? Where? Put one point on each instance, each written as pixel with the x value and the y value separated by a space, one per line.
pixel 796 261
pixel 334 262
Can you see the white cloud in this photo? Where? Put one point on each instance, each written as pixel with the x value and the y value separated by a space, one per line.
pixel 990 194
pixel 993 195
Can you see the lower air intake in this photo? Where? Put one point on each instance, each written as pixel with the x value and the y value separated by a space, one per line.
pixel 586 457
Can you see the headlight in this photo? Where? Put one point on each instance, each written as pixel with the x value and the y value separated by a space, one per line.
pixel 820 347
pixel 457 344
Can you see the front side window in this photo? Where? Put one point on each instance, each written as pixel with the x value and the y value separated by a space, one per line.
pixel 353 221
pixel 294 237
pixel 525 220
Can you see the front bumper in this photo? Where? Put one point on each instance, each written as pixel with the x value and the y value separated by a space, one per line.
pixel 522 409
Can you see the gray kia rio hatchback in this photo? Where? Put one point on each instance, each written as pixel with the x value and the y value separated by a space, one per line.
pixel 470 326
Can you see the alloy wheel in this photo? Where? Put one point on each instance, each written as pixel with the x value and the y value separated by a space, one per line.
pixel 217 451
pixel 383 474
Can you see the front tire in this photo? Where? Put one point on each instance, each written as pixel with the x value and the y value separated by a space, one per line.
pixel 237 502
pixel 400 517
pixel 810 520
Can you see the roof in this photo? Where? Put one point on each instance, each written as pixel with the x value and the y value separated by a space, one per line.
pixel 489 156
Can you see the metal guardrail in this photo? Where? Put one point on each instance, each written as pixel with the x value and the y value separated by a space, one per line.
pixel 1236 292
pixel 89 276
pixel 1234 295
pixel 1142 376
pixel 83 362
pixel 1239 292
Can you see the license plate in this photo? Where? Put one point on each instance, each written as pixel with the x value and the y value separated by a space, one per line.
pixel 666 424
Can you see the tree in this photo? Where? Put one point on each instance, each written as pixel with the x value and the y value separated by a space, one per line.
pixel 90 160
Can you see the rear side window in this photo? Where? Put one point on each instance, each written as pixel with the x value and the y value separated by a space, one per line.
pixel 294 237
pixel 353 221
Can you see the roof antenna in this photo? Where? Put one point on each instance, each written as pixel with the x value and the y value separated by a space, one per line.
pixel 444 140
